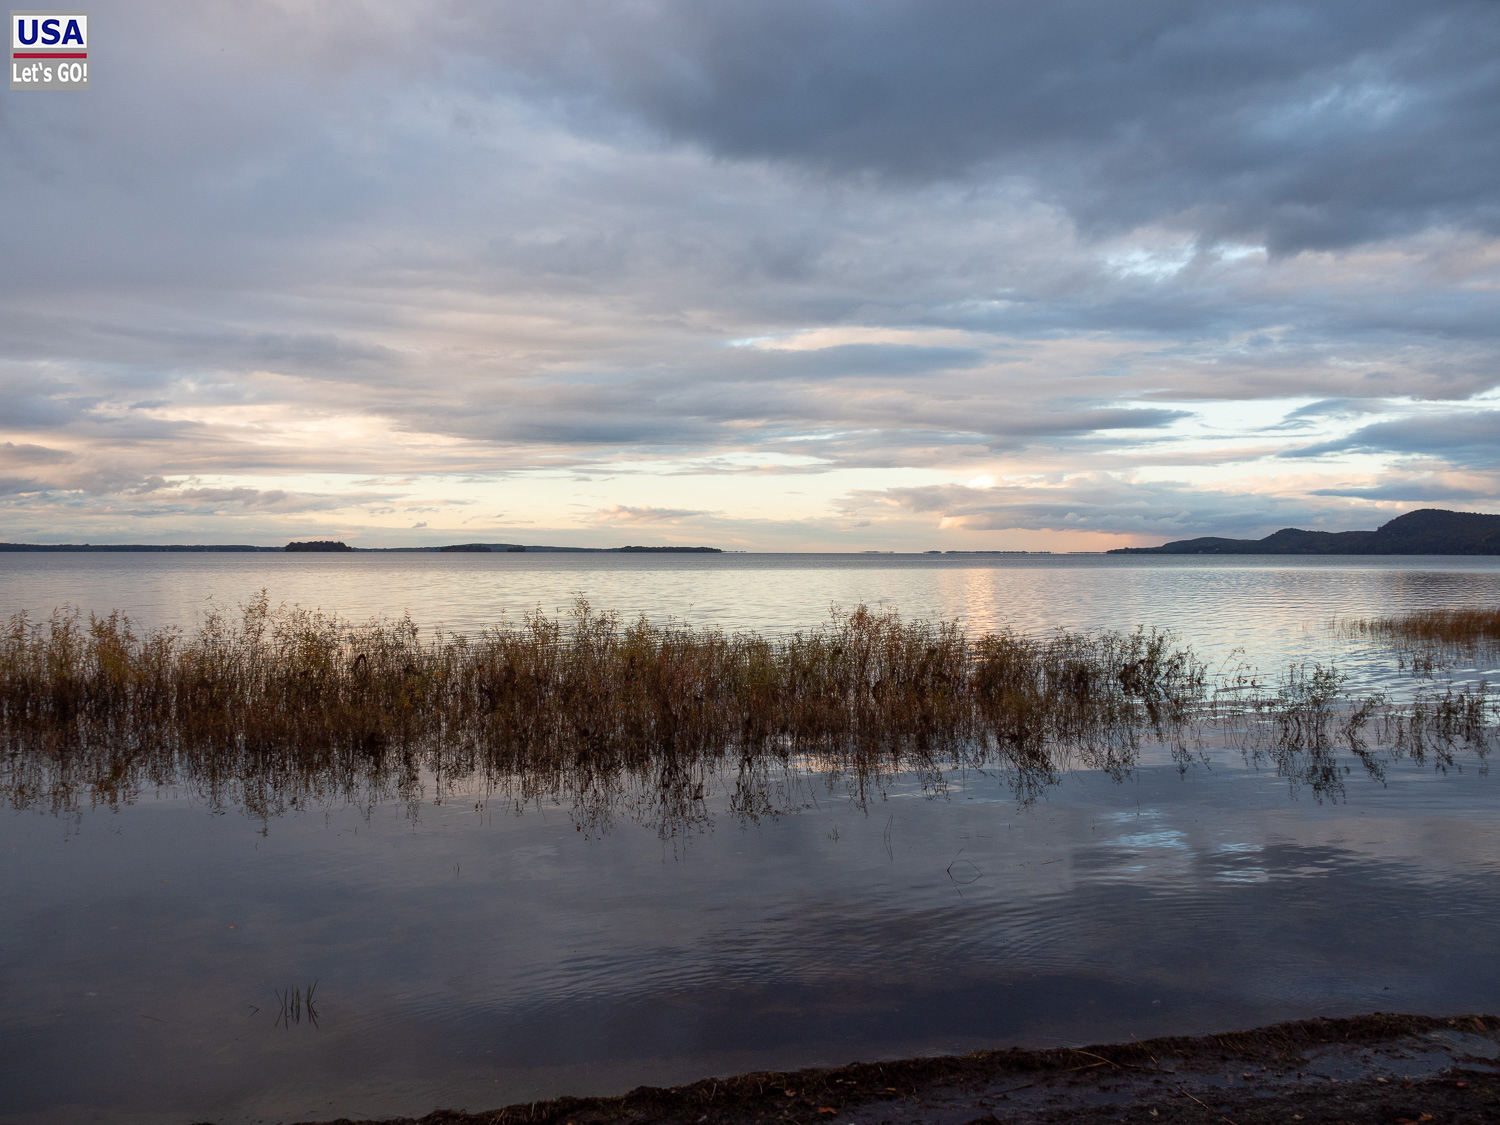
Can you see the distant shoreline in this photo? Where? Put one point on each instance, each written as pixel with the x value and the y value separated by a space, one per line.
pixel 247 548
pixel 1429 531
pixel 121 547
pixel 487 548
pixel 465 549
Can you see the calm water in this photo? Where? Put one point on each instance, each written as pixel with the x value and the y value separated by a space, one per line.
pixel 1275 609
pixel 469 953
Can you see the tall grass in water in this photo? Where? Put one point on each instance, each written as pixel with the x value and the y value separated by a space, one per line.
pixel 276 707
pixel 1312 729
pixel 279 708
pixel 1457 629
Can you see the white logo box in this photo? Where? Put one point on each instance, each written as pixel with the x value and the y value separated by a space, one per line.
pixel 49 50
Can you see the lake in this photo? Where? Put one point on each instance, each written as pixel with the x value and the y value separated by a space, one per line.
pixel 472 949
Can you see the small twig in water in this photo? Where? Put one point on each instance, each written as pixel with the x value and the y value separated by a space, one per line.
pixel 1112 1062
pixel 961 883
pixel 1086 1066
pixel 1013 1089
pixel 1204 1104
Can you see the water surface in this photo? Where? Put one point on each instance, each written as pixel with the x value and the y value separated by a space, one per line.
pixel 470 951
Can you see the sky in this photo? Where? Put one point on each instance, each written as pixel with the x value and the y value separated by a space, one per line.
pixel 781 275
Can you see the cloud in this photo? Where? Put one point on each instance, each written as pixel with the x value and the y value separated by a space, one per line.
pixel 248 497
pixel 1303 125
pixel 31 411
pixel 1311 415
pixel 1105 504
pixel 12 486
pixel 1469 439
pixel 25 454
pixel 1415 492
pixel 155 498
pixel 624 514
pixel 851 360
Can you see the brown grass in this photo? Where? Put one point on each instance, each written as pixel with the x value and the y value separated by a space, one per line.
pixel 283 708
pixel 280 706
pixel 1450 628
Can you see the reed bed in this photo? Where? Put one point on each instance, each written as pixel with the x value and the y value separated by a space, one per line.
pixel 277 708
pixel 1312 729
pixel 276 705
pixel 1456 629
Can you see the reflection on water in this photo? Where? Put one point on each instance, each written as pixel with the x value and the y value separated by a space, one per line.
pixel 473 928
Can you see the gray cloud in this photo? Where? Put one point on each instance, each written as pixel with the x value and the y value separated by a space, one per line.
pixel 1470 439
pixel 24 454
pixel 1416 492
pixel 625 514
pixel 31 411
pixel 1305 417
pixel 1307 125
pixel 12 486
pixel 1103 503
pixel 849 360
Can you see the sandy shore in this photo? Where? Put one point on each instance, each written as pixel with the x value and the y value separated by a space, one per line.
pixel 1378 1068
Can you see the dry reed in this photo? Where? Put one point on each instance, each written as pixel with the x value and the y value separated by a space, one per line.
pixel 1309 724
pixel 1458 629
pixel 279 706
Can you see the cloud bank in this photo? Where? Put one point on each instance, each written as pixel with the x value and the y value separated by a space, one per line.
pixel 774 275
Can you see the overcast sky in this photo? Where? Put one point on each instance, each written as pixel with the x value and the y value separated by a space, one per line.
pixel 772 275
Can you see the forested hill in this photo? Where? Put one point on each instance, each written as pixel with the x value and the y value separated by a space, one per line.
pixel 1431 531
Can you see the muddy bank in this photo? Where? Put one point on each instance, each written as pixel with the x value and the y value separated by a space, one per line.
pixel 1379 1068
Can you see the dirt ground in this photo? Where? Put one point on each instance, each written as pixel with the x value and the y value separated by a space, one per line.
pixel 1390 1069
